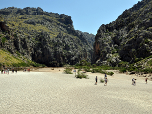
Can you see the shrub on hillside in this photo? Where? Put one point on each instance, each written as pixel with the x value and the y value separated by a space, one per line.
pixel 131 68
pixel 150 62
pixel 3 40
pixel 94 65
pixel 122 70
pixel 147 70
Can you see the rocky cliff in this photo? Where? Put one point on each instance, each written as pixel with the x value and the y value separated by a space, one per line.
pixel 43 37
pixel 128 38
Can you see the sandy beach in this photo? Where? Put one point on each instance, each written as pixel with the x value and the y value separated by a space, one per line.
pixel 46 91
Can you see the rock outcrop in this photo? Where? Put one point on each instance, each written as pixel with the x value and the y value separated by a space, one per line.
pixel 128 38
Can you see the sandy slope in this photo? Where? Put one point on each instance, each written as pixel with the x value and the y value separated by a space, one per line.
pixel 52 92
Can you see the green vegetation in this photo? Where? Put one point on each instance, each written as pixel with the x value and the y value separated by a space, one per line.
pixel 123 67
pixel 87 67
pixel 36 23
pixel 102 80
pixel 123 64
pixel 146 41
pixel 110 73
pixel 3 40
pixel 81 75
pixel 7 59
pixel 68 70
pixel 147 70
pixel 122 70
pixel 150 62
pixel 1 19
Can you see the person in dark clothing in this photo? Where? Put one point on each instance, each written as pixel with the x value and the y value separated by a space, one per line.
pixel 146 80
pixel 105 82
pixel 105 76
pixel 96 79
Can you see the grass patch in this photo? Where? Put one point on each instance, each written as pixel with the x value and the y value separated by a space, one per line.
pixel 7 59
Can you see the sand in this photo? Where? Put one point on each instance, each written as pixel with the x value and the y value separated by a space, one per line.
pixel 47 91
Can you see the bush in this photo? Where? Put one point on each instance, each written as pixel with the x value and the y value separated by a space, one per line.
pixel 95 70
pixel 3 40
pixel 131 68
pixel 110 73
pixel 102 80
pixel 76 67
pixel 122 70
pixel 105 67
pixel 103 72
pixel 87 69
pixel 123 64
pixel 84 63
pixel 98 70
pixel 68 70
pixel 94 65
pixel 147 70
pixel 81 75
pixel 150 62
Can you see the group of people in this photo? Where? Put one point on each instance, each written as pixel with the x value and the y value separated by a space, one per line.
pixel 134 81
pixel 14 71
pixel 26 70
pixel 6 71
pixel 105 80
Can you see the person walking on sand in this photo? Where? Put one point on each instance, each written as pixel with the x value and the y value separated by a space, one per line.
pixel 133 81
pixel 96 79
pixel 146 80
pixel 105 75
pixel 106 81
pixel 8 71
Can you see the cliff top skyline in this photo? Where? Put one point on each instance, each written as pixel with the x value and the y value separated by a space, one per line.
pixel 87 16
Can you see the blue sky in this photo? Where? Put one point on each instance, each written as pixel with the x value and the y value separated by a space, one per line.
pixel 87 15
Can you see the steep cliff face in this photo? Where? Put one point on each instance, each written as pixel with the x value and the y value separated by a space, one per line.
pixel 43 37
pixel 128 38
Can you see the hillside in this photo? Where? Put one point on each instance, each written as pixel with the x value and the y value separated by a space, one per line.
pixel 128 38
pixel 8 60
pixel 43 37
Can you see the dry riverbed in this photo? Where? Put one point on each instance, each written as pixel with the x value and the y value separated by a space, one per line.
pixel 47 91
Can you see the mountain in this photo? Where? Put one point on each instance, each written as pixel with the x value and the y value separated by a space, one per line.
pixel 90 37
pixel 128 38
pixel 43 37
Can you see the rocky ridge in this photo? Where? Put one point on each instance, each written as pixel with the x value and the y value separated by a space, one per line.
pixel 128 38
pixel 43 37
